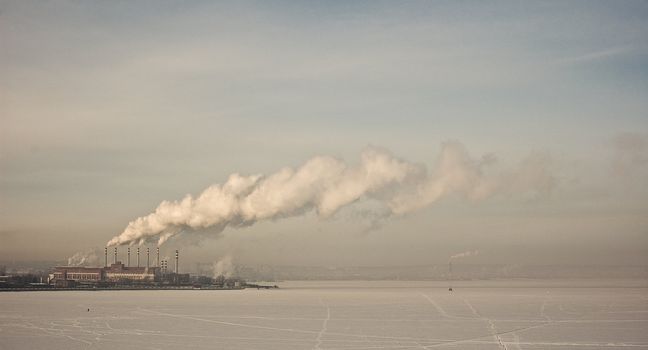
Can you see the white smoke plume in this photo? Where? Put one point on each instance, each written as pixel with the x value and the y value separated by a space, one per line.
pixel 326 184
pixel 224 267
pixel 465 254
pixel 86 258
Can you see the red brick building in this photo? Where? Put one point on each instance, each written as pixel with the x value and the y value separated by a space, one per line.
pixel 114 273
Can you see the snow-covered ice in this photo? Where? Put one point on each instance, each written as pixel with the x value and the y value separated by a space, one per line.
pixel 332 315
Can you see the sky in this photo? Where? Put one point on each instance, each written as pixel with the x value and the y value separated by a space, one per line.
pixel 109 108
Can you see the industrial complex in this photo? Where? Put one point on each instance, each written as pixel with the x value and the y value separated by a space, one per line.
pixel 118 276
pixel 119 273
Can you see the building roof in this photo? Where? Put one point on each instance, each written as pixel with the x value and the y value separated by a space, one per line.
pixel 78 269
pixel 117 267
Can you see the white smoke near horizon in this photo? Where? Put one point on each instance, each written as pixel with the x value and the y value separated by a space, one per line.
pixel 326 184
pixel 224 267
pixel 87 258
pixel 465 254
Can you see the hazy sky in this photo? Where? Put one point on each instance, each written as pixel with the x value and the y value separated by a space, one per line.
pixel 108 108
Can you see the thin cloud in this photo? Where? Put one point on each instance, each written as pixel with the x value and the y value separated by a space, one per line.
pixel 596 55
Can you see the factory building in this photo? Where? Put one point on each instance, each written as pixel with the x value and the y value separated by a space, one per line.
pixel 115 273
pixel 118 272
pixel 75 273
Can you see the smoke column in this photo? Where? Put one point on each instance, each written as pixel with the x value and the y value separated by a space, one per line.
pixel 326 184
pixel 86 258
pixel 224 267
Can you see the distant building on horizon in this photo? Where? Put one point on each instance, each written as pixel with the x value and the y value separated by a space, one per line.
pixel 116 272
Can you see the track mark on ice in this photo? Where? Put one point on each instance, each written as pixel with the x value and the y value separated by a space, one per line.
pixel 516 339
pixel 54 332
pixel 229 323
pixel 324 325
pixel 491 324
pixel 438 307
pixel 472 309
pixel 475 340
pixel 303 331
pixel 543 308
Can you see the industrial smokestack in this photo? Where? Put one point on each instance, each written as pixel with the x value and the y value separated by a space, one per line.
pixel 106 257
pixel 176 263
pixel 460 256
pixel 128 259
pixel 147 258
pixel 158 257
pixel 137 256
pixel 115 258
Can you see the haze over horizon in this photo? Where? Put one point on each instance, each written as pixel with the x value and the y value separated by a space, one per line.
pixel 109 109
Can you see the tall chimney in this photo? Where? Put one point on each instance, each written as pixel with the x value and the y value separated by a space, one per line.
pixel 137 256
pixel 158 256
pixel 128 260
pixel 176 265
pixel 106 257
pixel 147 257
pixel 115 258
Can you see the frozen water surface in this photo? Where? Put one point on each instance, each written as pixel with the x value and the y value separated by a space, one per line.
pixel 333 315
